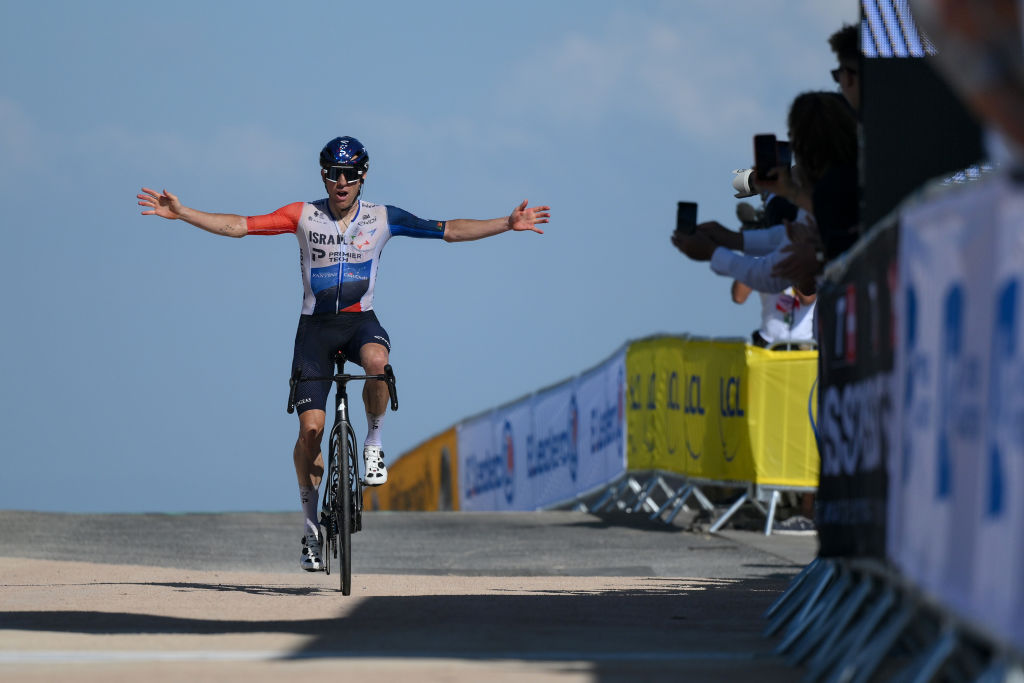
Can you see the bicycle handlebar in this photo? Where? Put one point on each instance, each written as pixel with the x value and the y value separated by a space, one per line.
pixel 388 378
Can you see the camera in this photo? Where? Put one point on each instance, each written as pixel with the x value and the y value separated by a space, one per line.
pixel 686 218
pixel 743 183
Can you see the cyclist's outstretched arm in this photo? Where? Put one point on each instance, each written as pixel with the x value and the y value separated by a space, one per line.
pixel 167 205
pixel 521 218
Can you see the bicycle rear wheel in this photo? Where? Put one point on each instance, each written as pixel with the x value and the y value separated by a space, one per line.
pixel 348 473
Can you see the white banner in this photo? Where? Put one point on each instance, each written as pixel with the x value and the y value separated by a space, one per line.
pixel 601 396
pixel 956 484
pixel 546 448
pixel 998 590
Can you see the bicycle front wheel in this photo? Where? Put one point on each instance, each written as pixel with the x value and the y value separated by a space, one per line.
pixel 348 473
pixel 330 510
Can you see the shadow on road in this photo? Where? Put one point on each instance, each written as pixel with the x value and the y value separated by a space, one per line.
pixel 665 616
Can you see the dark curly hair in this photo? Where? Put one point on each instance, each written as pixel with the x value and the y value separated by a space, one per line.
pixel 845 43
pixel 823 132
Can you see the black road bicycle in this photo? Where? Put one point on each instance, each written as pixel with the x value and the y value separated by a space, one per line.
pixel 341 513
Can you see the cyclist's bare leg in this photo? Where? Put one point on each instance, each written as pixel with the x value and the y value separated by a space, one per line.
pixel 373 358
pixel 309 468
pixel 309 461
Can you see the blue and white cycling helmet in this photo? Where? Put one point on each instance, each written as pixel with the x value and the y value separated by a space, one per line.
pixel 344 156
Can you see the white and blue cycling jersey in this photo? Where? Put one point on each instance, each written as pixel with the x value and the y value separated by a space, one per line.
pixel 339 262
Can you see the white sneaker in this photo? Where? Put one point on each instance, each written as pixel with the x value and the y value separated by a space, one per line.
pixel 310 560
pixel 373 465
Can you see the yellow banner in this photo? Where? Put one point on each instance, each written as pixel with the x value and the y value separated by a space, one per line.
pixel 654 398
pixel 424 478
pixel 721 410
pixel 781 406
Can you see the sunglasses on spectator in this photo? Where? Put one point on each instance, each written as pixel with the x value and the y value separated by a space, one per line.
pixel 349 173
pixel 836 73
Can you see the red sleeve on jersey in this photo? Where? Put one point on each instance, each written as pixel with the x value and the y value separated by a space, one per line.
pixel 285 219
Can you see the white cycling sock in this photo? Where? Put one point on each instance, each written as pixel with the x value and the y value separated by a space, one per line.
pixel 373 428
pixel 308 496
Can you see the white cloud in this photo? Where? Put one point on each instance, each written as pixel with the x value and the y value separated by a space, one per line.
pixel 705 73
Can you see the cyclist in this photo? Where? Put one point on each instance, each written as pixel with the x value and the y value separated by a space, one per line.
pixel 340 241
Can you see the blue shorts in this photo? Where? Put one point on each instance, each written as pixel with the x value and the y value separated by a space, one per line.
pixel 316 341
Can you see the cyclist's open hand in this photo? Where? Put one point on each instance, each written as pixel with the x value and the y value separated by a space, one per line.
pixel 163 204
pixel 523 218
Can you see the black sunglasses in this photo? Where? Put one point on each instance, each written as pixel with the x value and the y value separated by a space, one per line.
pixel 836 73
pixel 349 173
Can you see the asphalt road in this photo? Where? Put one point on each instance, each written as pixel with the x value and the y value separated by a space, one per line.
pixel 456 543
pixel 561 596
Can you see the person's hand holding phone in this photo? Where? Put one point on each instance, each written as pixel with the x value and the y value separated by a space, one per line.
pixel 686 218
pixel 697 246
pixel 721 235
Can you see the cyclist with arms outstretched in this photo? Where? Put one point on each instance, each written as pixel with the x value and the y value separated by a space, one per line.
pixel 340 241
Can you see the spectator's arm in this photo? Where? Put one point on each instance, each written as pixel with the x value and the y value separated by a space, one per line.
pixel 740 292
pixel 754 271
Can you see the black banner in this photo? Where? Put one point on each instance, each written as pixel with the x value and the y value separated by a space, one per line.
pixel 855 401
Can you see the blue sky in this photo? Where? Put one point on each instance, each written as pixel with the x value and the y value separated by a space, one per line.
pixel 145 362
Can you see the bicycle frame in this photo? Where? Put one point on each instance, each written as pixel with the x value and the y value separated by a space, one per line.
pixel 342 505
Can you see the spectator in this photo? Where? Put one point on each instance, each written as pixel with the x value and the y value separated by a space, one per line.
pixel 845 44
pixel 823 135
pixel 786 316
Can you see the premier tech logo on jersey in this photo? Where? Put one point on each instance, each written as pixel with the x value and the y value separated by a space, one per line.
pixel 556 449
pixel 495 471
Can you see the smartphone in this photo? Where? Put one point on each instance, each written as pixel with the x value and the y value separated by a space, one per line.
pixel 765 154
pixel 784 153
pixel 686 218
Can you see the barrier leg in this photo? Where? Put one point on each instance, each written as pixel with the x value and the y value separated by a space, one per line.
pixel 924 668
pixel 665 488
pixel 612 497
pixel 609 494
pixel 809 628
pixel 634 486
pixel 682 494
pixel 643 499
pixel 680 504
pixel 703 500
pixel 755 501
pixel 771 513
pixel 851 645
pixel 807 596
pixel 836 628
pixel 869 658
pixel 793 586
pixel 729 513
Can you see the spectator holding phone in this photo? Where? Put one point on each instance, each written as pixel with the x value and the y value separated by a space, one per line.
pixel 823 184
pixel 787 317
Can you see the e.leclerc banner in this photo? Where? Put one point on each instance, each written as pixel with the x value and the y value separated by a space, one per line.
pixel 546 448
